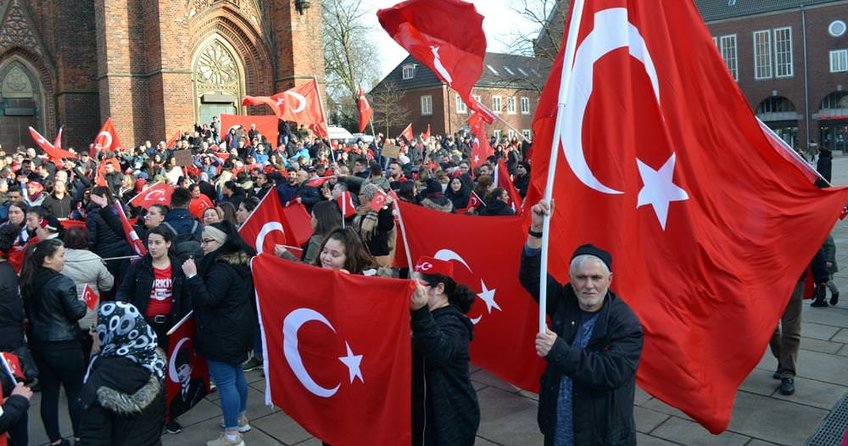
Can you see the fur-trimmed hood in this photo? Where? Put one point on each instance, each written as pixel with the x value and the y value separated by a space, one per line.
pixel 129 404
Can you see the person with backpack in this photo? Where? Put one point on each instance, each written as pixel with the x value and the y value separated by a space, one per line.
pixel 186 229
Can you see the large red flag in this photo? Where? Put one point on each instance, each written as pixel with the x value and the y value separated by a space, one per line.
pixel 453 53
pixel 707 251
pixel 337 351
pixel 106 140
pixel 263 100
pixel 271 224
pixel 129 232
pixel 365 110
pixel 481 150
pixel 302 104
pixel 505 314
pixel 158 193
pixel 407 133
pixel 51 151
pixel 188 375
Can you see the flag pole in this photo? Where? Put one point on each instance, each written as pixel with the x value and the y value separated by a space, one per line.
pixel 8 369
pixel 565 83
pixel 180 323
pixel 403 232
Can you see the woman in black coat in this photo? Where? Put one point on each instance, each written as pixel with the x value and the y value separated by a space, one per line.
pixel 221 292
pixel 441 334
pixel 106 233
pixel 51 303
pixel 123 395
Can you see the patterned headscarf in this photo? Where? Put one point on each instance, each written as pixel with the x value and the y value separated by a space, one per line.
pixel 123 333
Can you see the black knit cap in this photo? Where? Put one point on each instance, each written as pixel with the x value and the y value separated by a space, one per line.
pixel 593 250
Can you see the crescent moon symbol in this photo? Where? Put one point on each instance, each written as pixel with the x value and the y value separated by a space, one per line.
pixel 437 62
pixel 604 38
pixel 291 325
pixel 447 255
pixel 106 137
pixel 267 228
pixel 172 369
pixel 301 101
pixel 157 195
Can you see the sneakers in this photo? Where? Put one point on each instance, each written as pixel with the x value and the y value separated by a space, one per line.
pixel 819 303
pixel 172 427
pixel 787 386
pixel 251 364
pixel 223 440
pixel 834 298
pixel 244 424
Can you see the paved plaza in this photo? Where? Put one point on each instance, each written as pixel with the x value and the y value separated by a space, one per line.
pixel 761 415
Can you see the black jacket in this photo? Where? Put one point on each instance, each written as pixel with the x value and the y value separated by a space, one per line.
pixel 182 221
pixel 14 409
pixel 124 405
pixel 106 233
pixel 53 308
pixel 59 207
pixel 603 374
pixel 496 208
pixel 441 340
pixel 138 283
pixel 222 296
pixel 11 309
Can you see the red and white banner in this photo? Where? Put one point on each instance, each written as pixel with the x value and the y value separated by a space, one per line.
pixel 158 193
pixel 90 297
pixel 407 133
pixel 106 140
pixel 132 236
pixel 337 351
pixel 53 152
pixel 272 224
pixel 365 110
pixel 187 374
pixel 266 125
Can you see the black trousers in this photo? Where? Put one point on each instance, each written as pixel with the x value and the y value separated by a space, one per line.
pixel 59 364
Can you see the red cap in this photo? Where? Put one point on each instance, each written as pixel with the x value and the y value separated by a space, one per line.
pixel 430 265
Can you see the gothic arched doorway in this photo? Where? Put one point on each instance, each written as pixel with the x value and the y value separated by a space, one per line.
pixel 218 80
pixel 21 103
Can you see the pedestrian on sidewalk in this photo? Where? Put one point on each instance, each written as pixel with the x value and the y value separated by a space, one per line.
pixel 830 260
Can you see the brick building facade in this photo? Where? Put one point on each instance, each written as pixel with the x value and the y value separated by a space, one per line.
pixel 154 67
pixel 509 86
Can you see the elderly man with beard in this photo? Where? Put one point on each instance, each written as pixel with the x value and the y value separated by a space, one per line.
pixel 592 348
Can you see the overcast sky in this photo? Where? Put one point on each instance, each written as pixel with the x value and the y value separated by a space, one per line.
pixel 499 23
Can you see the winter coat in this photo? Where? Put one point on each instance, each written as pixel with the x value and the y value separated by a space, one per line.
pixel 138 284
pixel 441 204
pixel 182 221
pixel 86 268
pixel 496 208
pixel 11 309
pixel 124 405
pixel 53 308
pixel 59 207
pixel 603 374
pixel 106 233
pixel 830 254
pixel 441 340
pixel 222 296
pixel 14 408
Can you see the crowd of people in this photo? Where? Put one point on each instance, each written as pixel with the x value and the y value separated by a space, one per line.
pixel 61 237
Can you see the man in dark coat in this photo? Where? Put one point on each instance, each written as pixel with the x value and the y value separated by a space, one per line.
pixel 592 348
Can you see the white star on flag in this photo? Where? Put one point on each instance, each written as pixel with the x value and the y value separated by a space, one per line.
pixel 659 189
pixel 352 362
pixel 488 296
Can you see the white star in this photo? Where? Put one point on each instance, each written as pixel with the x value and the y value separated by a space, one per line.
pixel 488 296
pixel 659 189
pixel 352 362
pixel 476 158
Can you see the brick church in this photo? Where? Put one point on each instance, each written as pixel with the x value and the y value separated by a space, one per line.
pixel 154 67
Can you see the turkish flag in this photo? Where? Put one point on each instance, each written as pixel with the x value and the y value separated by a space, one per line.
pixel 426 135
pixel 173 141
pixel 107 139
pixel 271 224
pixel 480 148
pixel 12 365
pixel 346 205
pixel 132 236
pixel 188 376
pixel 505 316
pixel 302 104
pixel 475 201
pixel 90 297
pixel 706 251
pixel 503 180
pixel 318 182
pixel 51 151
pixel 378 201
pixel 453 53
pixel 339 344
pixel 365 110
pixel 263 100
pixel 407 132
pixel 158 193
pixel 789 154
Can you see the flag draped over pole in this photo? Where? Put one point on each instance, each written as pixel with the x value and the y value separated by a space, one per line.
pixel 651 128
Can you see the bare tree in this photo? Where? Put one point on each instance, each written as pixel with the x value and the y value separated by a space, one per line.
pixel 548 18
pixel 350 56
pixel 387 102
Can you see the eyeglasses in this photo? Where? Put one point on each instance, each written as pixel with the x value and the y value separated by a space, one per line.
pixel 207 241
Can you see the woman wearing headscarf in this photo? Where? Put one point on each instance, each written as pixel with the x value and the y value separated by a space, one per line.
pixel 222 291
pixel 123 396
pixel 375 227
pixel 447 412
pixel 433 198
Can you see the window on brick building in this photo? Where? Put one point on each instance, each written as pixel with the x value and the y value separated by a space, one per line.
pixel 497 134
pixel 426 105
pixel 510 134
pixel 783 52
pixel 527 134
pixel 728 53
pixel 460 105
pixel 838 61
pixel 496 104
pixel 408 71
pixel 525 106
pixel 762 54
pixel 510 105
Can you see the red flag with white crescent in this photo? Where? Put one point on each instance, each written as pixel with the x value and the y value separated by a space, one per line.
pixel 158 193
pixel 346 206
pixel 365 110
pixel 51 151
pixel 90 297
pixel 302 104
pixel 188 376
pixel 269 225
pixel 326 353
pixel 106 140
pixel 662 194
pixel 129 232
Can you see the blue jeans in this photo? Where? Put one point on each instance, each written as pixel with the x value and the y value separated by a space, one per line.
pixel 233 389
